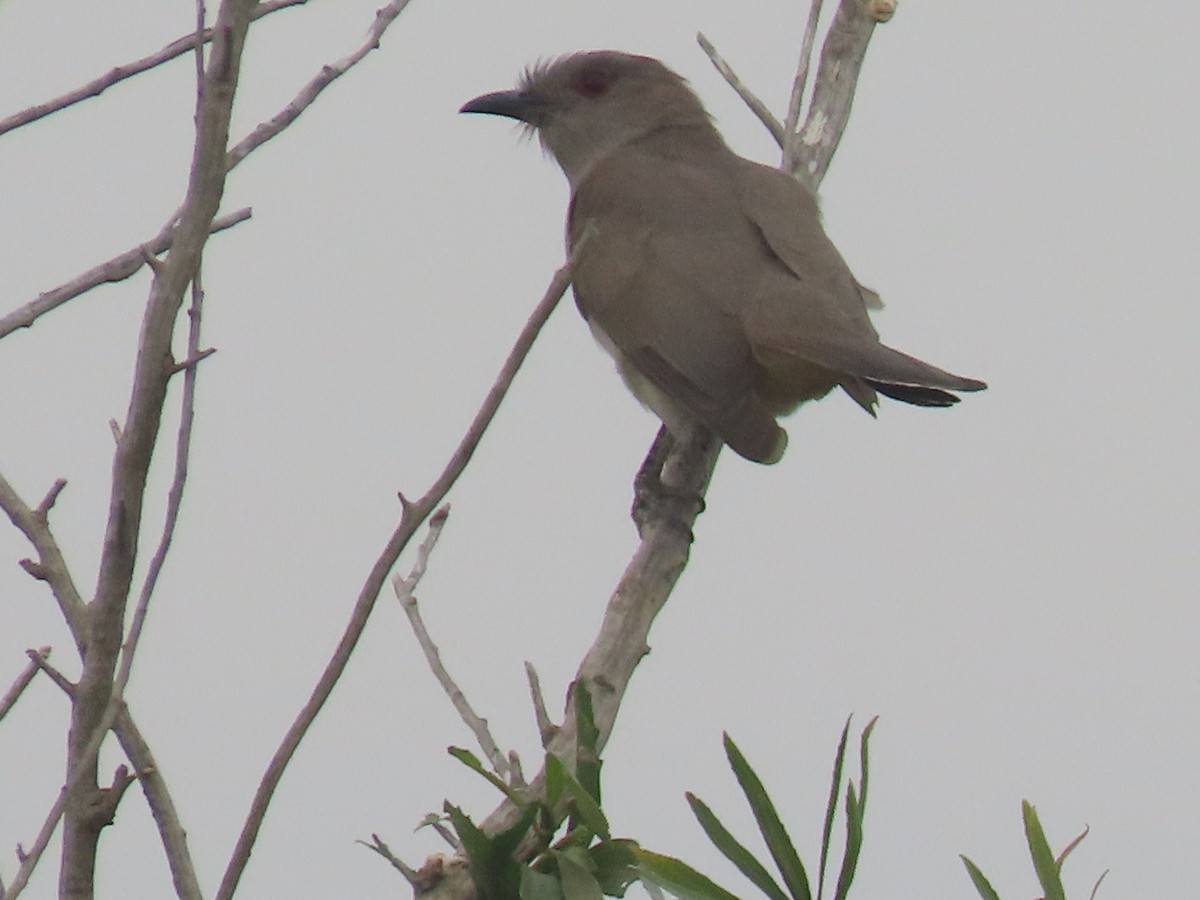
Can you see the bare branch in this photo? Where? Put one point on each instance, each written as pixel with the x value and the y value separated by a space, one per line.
pixel 162 807
pixel 545 726
pixel 413 514
pixel 404 593
pixel 328 74
pixel 97 86
pixel 833 93
pixel 116 269
pixel 51 567
pixel 95 706
pixel 757 107
pixel 22 681
pixel 377 844
pixel 796 100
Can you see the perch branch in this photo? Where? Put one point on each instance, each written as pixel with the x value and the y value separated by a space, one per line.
pixel 757 107
pixel 663 552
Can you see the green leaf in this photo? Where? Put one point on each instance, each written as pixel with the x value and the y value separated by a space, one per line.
pixel 773 832
pixel 737 854
pixel 615 865
pixel 496 876
pixel 537 885
pixel 1043 856
pixel 835 790
pixel 587 810
pixel 678 877
pixel 856 812
pixel 587 739
pixel 986 891
pixel 578 883
pixel 472 762
pixel 506 842
pixel 854 818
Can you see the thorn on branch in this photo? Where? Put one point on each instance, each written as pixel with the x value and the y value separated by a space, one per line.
pixel 106 800
pixel 192 362
pixel 43 508
pixel 155 264
pixel 35 569
pixel 116 431
pixel 881 10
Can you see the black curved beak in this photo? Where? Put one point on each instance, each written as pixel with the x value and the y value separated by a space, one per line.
pixel 514 104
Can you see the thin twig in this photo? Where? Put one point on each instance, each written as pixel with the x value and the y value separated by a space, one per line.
pixel 377 844
pixel 413 514
pixel 116 269
pixel 796 100
pixel 154 787
pixel 833 91
pixel 94 88
pixel 545 726
pixel 22 681
pixel 404 593
pixel 328 74
pixel 51 566
pixel 757 107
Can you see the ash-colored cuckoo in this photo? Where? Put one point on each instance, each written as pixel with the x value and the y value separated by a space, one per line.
pixel 708 277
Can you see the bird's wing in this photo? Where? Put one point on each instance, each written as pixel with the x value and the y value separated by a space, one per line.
pixel 817 311
pixel 656 282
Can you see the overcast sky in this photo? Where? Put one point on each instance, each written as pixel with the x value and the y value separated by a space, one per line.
pixel 1010 585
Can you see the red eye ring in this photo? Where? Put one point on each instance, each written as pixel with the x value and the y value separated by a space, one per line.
pixel 593 81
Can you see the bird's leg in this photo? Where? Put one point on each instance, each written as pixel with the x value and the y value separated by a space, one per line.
pixel 655 500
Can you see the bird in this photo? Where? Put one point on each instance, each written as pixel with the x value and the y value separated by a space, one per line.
pixel 707 276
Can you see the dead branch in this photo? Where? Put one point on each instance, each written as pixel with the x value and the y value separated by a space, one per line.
pixel 404 588
pixel 116 269
pixel 22 681
pixel 97 86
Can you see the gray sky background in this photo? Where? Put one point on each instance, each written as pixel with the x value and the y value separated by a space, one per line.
pixel 1011 585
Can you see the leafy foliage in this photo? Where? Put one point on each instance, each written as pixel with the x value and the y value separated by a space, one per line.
pixel 1047 866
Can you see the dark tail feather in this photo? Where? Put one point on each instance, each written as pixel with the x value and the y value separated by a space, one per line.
pixel 917 396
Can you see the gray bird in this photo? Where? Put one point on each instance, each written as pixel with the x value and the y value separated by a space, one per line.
pixel 708 277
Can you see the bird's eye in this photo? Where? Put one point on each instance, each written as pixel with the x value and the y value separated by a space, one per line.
pixel 593 81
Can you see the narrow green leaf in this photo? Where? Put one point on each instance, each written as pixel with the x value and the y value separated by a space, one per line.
pixel 587 810
pixel 1043 856
pixel 773 832
pixel 615 865
pixel 555 772
pixel 505 843
pixel 734 851
pixel 985 889
pixel 481 856
pixel 587 757
pixel 537 885
pixel 854 817
pixel 678 877
pixel 472 762
pixel 864 763
pixel 578 883
pixel 835 791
